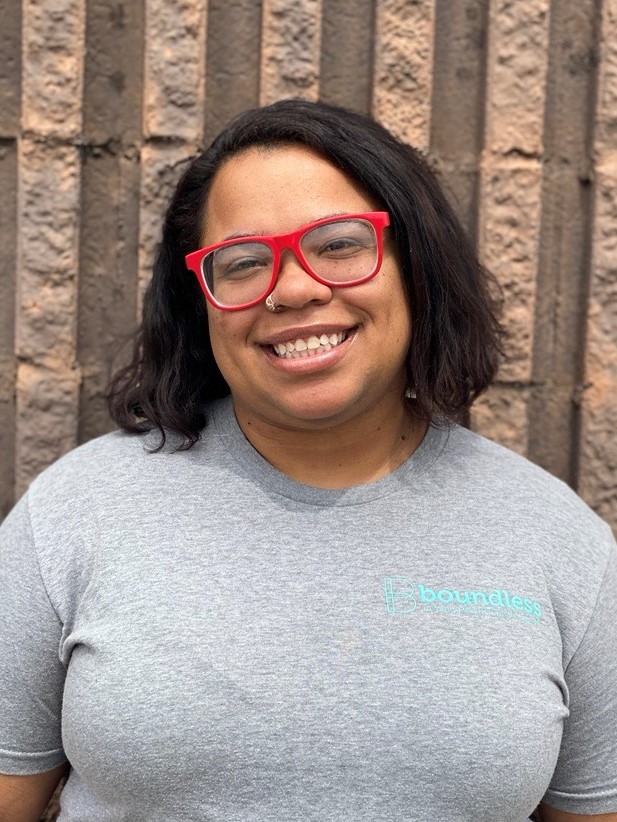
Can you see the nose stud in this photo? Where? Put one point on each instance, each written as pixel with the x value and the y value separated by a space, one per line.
pixel 271 305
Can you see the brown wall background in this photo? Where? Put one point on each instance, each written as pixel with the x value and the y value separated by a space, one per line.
pixel 102 101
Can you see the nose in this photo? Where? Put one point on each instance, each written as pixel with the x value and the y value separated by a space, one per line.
pixel 295 287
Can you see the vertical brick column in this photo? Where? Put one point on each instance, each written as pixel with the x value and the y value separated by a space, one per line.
pixel 563 270
pixel 511 191
pixel 8 368
pixel 48 220
pixel 291 42
pixel 598 443
pixel 174 88
pixel 404 68
pixel 459 79
pixel 232 74
pixel 112 119
pixel 347 52
pixel 10 88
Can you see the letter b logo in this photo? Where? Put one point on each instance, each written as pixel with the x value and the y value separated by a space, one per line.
pixel 398 592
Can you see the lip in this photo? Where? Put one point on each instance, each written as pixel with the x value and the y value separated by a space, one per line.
pixel 316 362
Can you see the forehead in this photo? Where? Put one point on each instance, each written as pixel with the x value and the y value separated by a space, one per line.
pixel 270 190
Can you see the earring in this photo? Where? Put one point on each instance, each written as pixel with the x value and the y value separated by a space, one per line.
pixel 410 394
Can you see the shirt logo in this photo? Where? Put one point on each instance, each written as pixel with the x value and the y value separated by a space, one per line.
pixel 404 597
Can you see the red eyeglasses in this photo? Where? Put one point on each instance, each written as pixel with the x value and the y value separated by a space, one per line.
pixel 337 251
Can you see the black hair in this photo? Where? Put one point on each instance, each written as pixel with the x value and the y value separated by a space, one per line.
pixel 456 335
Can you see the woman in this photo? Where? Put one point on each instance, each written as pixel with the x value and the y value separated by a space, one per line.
pixel 305 593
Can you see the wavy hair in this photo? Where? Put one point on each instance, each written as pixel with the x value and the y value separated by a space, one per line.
pixel 456 335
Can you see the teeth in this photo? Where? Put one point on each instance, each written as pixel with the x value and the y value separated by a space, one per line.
pixel 312 345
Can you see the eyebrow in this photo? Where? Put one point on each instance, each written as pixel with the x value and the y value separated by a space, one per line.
pixel 240 235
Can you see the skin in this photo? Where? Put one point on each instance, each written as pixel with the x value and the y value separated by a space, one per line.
pixel 303 418
pixel 548 814
pixel 24 798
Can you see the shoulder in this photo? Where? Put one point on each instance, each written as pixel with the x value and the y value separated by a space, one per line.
pixel 103 459
pixel 527 502
pixel 492 472
pixel 539 518
pixel 118 453
pixel 108 470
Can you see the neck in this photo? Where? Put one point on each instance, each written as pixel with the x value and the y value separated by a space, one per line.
pixel 350 453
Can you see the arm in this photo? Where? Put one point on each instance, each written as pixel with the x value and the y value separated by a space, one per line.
pixel 31 678
pixel 24 798
pixel 548 814
pixel 585 777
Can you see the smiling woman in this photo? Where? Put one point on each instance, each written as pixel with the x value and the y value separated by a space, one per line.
pixel 355 385
pixel 293 586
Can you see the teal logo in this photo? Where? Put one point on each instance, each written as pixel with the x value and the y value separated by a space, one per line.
pixel 398 592
pixel 404 597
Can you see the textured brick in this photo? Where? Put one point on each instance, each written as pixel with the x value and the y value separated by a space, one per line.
pixel 563 268
pixel 458 102
pixel 508 239
pixel 46 403
pixel 7 433
pixel 403 68
pixel 598 454
pixel 161 168
pixel 8 250
pixel 8 245
pixel 291 31
pixel 107 281
pixel 501 415
pixel 47 375
pixel 512 81
pixel 346 73
pixel 517 66
pixel 606 123
pixel 174 68
pixel 53 52
pixel 511 193
pixel 113 80
pixel 48 240
pixel 232 75
pixel 10 70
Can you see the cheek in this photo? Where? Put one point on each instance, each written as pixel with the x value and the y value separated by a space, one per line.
pixel 219 336
pixel 228 339
pixel 398 310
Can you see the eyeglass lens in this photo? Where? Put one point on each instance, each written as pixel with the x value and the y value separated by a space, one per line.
pixel 338 252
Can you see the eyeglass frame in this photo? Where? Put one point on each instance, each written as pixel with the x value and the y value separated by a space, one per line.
pixel 281 242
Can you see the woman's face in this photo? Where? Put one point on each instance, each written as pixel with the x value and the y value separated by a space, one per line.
pixel 275 191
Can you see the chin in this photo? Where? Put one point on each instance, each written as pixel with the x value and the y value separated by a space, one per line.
pixel 320 414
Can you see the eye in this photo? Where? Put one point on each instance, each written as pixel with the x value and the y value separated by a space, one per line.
pixel 239 262
pixel 339 240
pixel 243 267
pixel 341 246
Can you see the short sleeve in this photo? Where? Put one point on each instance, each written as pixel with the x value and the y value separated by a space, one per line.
pixel 31 673
pixel 585 779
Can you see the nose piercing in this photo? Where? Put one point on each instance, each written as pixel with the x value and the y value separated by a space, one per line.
pixel 271 305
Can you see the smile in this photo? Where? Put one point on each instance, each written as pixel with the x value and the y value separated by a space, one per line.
pixel 309 347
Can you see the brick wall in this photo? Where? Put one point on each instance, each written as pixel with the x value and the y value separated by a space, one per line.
pixel 102 101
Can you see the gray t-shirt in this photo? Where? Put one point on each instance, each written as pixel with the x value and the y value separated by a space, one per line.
pixel 205 639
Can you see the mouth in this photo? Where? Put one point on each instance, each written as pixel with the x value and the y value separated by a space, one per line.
pixel 306 347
